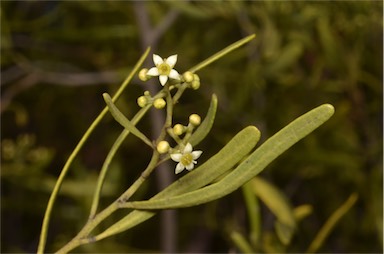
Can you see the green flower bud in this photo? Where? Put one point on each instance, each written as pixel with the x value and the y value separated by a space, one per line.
pixel 159 103
pixel 142 101
pixel 195 84
pixel 178 129
pixel 196 77
pixel 162 146
pixel 143 74
pixel 195 119
pixel 188 76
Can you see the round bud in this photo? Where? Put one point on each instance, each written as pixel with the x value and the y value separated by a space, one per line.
pixel 143 74
pixel 162 146
pixel 178 129
pixel 196 77
pixel 142 101
pixel 195 84
pixel 159 103
pixel 146 93
pixel 195 119
pixel 188 76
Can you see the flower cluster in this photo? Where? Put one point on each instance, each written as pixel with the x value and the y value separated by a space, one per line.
pixel 183 153
pixel 185 156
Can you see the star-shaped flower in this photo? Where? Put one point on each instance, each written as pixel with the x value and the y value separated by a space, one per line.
pixel 164 68
pixel 186 159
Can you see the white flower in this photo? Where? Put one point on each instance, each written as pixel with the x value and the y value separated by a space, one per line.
pixel 164 68
pixel 186 159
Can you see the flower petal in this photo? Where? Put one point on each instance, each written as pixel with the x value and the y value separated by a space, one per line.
pixel 190 167
pixel 171 61
pixel 157 59
pixel 174 74
pixel 196 154
pixel 176 157
pixel 153 72
pixel 187 148
pixel 179 168
pixel 163 79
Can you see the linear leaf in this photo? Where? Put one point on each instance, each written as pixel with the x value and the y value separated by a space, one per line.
pixel 250 167
pixel 276 201
pixel 121 119
pixel 331 222
pixel 202 131
pixel 238 147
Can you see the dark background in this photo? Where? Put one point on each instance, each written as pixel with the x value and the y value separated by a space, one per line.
pixel 58 57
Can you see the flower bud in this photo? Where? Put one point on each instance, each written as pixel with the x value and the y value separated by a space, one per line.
pixel 196 77
pixel 194 119
pixel 142 101
pixel 159 103
pixel 188 76
pixel 195 84
pixel 178 129
pixel 143 74
pixel 162 146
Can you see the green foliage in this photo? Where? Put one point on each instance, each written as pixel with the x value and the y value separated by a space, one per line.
pixel 58 58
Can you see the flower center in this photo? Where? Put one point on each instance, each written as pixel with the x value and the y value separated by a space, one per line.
pixel 164 69
pixel 186 159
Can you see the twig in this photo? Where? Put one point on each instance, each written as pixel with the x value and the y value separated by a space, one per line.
pixel 150 36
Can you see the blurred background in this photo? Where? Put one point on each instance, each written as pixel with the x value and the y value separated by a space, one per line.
pixel 58 57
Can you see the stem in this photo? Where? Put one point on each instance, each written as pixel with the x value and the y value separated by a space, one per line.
pixel 109 158
pixel 56 189
pixel 92 223
pixel 133 188
pixel 95 220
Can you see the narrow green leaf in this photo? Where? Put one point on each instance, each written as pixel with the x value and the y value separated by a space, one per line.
pixel 253 210
pixel 238 147
pixel 65 169
pixel 284 232
pixel 275 200
pixel 331 222
pixel 241 242
pixel 121 119
pixel 250 167
pixel 223 52
pixel 202 131
pixel 302 211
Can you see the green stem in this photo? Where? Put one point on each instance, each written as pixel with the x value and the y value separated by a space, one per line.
pixel 81 237
pixel 109 158
pixel 133 188
pixel 56 189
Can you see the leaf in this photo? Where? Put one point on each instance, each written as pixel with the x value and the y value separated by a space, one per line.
pixel 331 222
pixel 302 211
pixel 241 242
pixel 253 210
pixel 275 200
pixel 238 147
pixel 250 167
pixel 202 131
pixel 222 53
pixel 121 119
